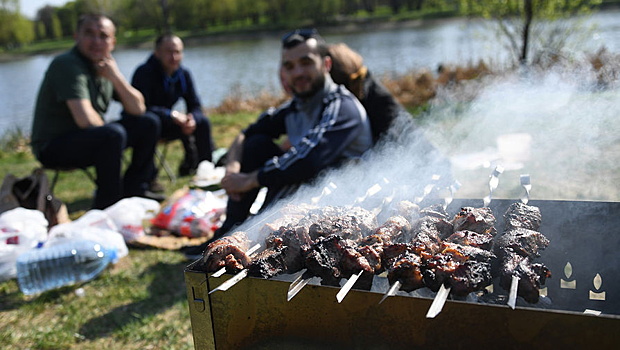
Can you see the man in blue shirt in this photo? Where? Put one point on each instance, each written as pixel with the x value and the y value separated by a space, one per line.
pixel 324 123
pixel 163 81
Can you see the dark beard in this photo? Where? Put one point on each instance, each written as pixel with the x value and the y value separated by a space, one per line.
pixel 317 85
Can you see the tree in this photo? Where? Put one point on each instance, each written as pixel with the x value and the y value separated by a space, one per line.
pixel 67 18
pixel 50 22
pixel 15 30
pixel 532 29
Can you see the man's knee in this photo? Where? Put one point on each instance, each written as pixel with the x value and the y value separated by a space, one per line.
pixel 115 134
pixel 150 122
pixel 146 124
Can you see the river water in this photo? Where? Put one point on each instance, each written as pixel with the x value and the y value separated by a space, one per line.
pixel 252 65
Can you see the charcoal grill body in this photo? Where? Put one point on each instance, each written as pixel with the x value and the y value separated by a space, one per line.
pixel 254 314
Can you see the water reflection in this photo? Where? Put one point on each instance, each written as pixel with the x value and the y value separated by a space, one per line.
pixel 252 65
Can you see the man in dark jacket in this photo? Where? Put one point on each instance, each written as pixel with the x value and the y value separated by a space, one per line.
pixel 324 123
pixel 163 81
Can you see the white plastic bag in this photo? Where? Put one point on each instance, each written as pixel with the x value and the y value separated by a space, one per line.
pixel 20 230
pixel 129 215
pixel 95 225
pixel 208 175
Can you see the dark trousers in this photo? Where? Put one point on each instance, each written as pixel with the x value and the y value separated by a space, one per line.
pixel 102 147
pixel 257 150
pixel 198 146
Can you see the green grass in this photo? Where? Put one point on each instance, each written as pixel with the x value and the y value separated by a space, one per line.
pixel 139 303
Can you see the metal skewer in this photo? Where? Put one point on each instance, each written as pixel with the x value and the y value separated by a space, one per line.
pixel 514 283
pixel 428 188
pixel 327 190
pixel 297 285
pixel 527 185
pixel 512 297
pixel 392 291
pixel 301 282
pixel 438 302
pixel 452 190
pixel 493 183
pixel 347 286
pixel 370 192
pixel 231 282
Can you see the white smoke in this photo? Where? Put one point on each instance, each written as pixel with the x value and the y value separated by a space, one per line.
pixel 558 127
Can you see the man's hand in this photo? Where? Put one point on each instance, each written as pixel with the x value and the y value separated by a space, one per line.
pixel 131 99
pixel 185 121
pixel 236 184
pixel 107 68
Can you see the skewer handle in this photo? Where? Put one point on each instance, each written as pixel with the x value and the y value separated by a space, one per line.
pixel 392 291
pixel 527 186
pixel 512 297
pixel 438 302
pixel 493 183
pixel 347 286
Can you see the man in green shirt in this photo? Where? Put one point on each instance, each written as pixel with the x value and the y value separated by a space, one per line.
pixel 69 130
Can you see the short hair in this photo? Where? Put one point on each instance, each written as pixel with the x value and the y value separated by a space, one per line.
pixel 164 37
pixel 300 36
pixel 92 17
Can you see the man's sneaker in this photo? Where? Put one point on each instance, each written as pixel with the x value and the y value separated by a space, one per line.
pixel 156 186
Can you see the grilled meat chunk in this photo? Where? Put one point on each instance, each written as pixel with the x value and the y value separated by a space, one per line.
pixel 429 230
pixel 464 268
pixel 435 210
pixel 270 262
pixel 524 216
pixel 228 252
pixel 332 258
pixel 517 247
pixel 347 222
pixel 283 253
pixel 404 264
pixel 479 220
pixel 521 241
pixel 471 238
pixel 531 276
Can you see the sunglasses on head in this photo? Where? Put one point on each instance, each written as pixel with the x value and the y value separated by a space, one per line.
pixel 299 35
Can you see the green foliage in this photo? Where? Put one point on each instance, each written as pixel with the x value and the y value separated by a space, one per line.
pixel 543 9
pixel 15 30
pixel 532 30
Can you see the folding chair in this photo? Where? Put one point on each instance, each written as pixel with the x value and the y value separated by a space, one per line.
pixel 161 159
pixel 57 171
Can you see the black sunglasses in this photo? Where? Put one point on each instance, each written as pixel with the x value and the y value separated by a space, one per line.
pixel 299 35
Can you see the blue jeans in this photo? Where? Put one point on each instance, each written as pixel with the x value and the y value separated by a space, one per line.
pixel 102 147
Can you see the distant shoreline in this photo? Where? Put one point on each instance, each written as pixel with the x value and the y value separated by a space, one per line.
pixel 246 35
pixel 343 27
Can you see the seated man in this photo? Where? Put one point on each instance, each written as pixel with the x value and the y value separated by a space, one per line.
pixel 324 123
pixel 69 129
pixel 162 80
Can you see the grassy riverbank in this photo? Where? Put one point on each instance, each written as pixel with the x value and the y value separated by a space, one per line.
pixel 141 303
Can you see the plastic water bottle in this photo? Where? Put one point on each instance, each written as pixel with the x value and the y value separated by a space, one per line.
pixel 64 264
